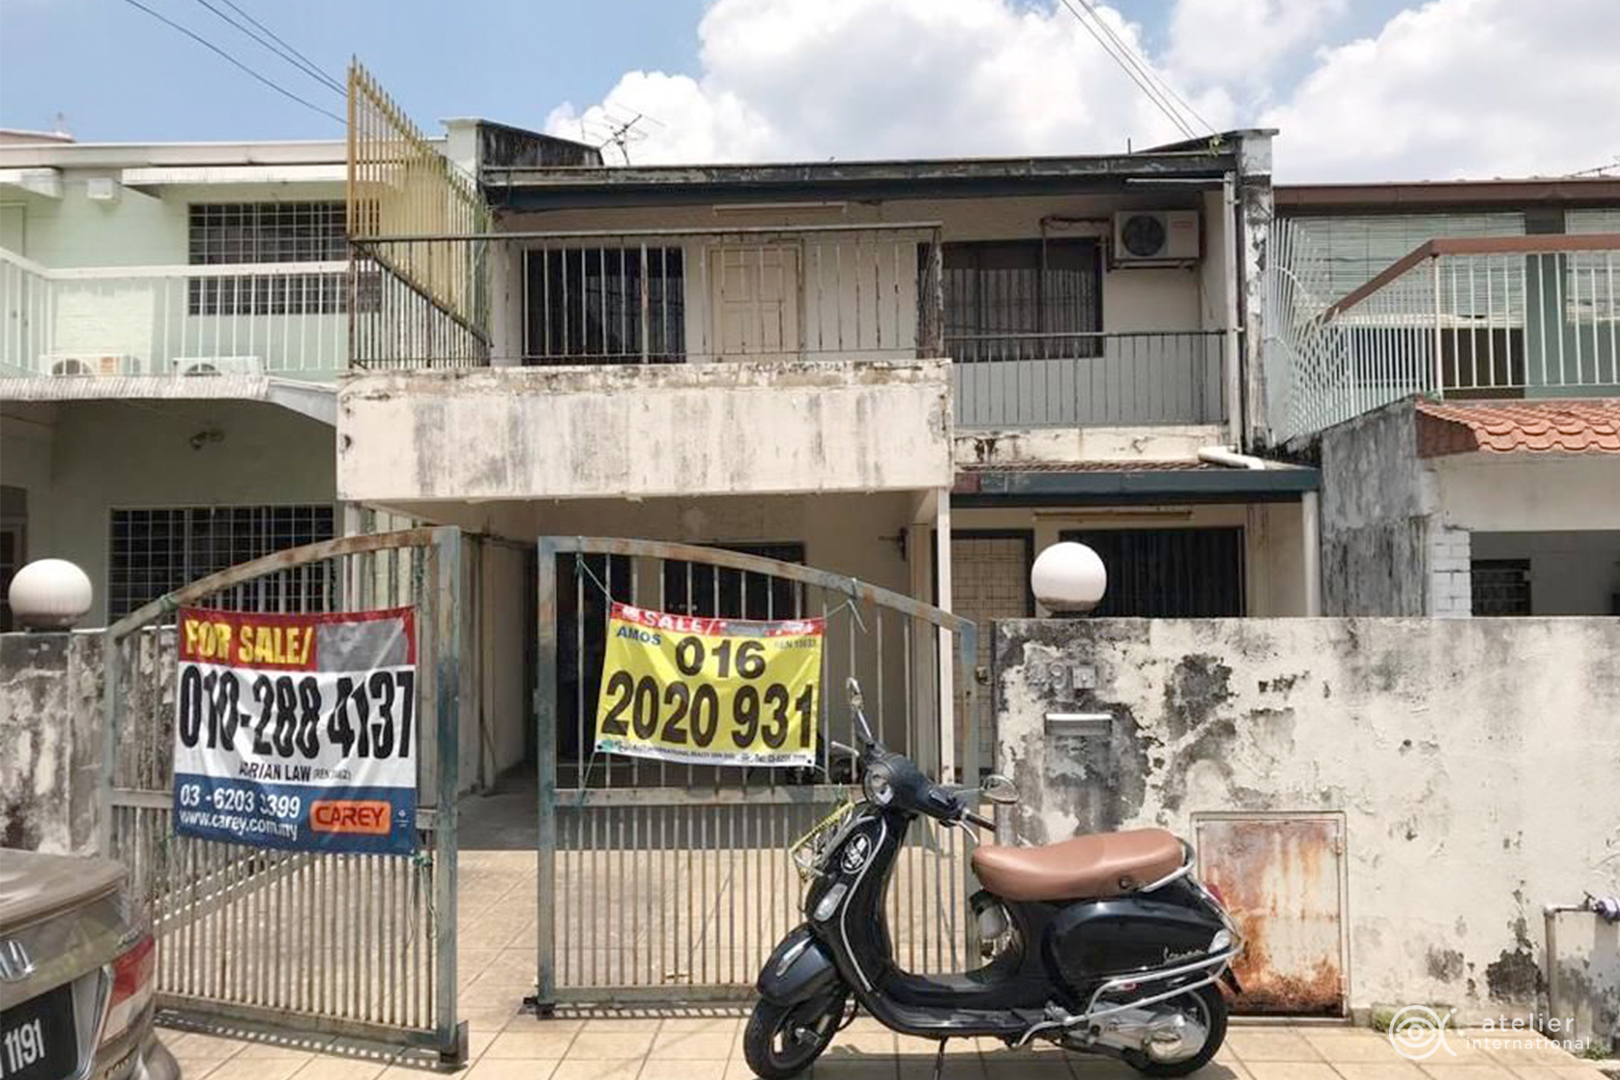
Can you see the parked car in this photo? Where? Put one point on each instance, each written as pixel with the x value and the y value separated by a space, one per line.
pixel 76 977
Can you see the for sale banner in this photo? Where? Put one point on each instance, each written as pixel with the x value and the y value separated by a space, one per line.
pixel 297 731
pixel 710 691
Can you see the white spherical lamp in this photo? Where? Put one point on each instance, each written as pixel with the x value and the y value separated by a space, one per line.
pixel 1068 579
pixel 49 594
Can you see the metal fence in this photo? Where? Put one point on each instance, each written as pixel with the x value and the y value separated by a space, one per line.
pixel 1063 380
pixel 1479 317
pixel 664 882
pixel 335 943
pixel 287 319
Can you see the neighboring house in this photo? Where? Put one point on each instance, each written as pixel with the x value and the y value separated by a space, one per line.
pixel 916 373
pixel 174 316
pixel 1450 353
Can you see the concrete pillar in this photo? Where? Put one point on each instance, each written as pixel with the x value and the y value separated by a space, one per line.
pixel 1310 511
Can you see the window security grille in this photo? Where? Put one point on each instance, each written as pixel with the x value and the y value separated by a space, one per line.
pixel 585 305
pixel 154 551
pixel 1169 573
pixel 1500 586
pixel 237 233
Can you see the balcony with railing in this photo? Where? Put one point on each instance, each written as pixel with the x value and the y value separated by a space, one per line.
pixel 280 319
pixel 1461 318
pixel 1025 341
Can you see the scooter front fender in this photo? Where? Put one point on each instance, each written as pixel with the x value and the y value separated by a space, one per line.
pixel 799 970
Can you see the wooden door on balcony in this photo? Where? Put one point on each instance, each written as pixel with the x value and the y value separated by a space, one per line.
pixel 754 302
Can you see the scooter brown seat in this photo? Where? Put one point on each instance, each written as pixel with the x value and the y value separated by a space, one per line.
pixel 1087 867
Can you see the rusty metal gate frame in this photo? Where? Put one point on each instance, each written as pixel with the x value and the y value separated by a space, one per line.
pixel 719 797
pixel 391 992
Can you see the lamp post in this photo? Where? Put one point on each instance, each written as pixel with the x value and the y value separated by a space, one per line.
pixel 1069 579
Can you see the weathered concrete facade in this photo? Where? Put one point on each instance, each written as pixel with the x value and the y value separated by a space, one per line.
pixel 1376 505
pixel 615 431
pixel 50 741
pixel 1433 747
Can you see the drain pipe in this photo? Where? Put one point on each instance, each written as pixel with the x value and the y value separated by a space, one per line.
pixel 1606 908
pixel 1221 455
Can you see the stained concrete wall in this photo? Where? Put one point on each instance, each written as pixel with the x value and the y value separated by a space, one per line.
pixel 50 741
pixel 1376 504
pixel 615 432
pixel 1473 761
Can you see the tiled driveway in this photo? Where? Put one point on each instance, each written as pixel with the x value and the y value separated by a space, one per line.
pixel 690 1047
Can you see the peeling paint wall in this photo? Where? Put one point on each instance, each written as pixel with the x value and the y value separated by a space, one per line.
pixel 1473 761
pixel 612 432
pixel 50 741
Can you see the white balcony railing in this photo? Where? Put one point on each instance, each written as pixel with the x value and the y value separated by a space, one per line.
pixel 1477 317
pixel 286 319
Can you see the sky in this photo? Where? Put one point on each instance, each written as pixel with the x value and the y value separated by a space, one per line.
pixel 1360 89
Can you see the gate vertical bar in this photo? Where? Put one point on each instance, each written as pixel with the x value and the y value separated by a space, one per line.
pixel 447 708
pixel 545 720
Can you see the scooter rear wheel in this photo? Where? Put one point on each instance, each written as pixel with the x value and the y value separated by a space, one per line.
pixel 782 1041
pixel 1208 1007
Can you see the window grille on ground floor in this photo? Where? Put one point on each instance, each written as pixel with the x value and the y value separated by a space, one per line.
pixel 154 551
pixel 1500 586
pixel 1169 573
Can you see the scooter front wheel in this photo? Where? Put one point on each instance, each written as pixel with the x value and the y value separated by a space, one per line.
pixel 782 1041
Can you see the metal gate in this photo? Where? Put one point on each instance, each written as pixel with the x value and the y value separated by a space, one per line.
pixel 341 943
pixel 664 882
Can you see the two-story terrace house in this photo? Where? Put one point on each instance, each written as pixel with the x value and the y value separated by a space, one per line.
pixel 172 320
pixel 1450 352
pixel 916 373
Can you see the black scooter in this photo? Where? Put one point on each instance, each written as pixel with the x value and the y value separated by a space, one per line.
pixel 1104 944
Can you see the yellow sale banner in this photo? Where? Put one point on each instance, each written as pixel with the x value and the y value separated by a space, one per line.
pixel 710 691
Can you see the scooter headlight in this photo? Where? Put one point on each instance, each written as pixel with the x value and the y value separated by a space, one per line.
pixel 879 785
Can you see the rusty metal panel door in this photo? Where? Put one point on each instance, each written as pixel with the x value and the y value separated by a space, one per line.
pixel 1283 877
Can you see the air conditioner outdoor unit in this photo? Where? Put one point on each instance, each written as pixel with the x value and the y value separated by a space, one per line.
pixel 1155 237
pixel 102 364
pixel 188 366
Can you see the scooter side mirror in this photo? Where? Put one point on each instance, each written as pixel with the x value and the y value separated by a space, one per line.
pixel 854 689
pixel 999 789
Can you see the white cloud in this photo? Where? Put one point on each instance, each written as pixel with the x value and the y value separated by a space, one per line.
pixel 1461 88
pixel 786 79
pixel 1454 87
pixel 1242 41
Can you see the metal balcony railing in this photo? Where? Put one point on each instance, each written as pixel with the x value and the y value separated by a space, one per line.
pixel 287 319
pixel 659 296
pixel 1071 379
pixel 1477 317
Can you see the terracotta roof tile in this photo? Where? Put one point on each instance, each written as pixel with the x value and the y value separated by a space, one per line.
pixel 1585 426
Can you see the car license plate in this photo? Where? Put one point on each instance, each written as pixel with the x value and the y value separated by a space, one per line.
pixel 37 1040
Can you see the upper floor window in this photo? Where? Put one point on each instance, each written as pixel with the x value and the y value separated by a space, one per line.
pixel 605 305
pixel 275 232
pixel 1022 299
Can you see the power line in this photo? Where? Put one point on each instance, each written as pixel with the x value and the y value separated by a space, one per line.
pixel 309 65
pixel 271 83
pixel 303 66
pixel 1142 64
pixel 1152 94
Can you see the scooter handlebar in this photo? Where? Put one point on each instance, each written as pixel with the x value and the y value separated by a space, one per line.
pixel 975 819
